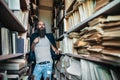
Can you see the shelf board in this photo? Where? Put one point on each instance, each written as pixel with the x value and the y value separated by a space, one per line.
pixel 8 19
pixel 111 8
pixel 5 57
pixel 94 59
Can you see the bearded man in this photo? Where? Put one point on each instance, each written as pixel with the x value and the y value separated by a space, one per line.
pixel 42 44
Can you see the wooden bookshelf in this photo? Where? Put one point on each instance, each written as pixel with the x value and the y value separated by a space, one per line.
pixel 8 19
pixel 90 37
pixel 5 57
pixel 94 59
pixel 14 25
pixel 112 8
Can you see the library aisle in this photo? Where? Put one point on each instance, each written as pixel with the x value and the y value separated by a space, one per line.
pixel 86 34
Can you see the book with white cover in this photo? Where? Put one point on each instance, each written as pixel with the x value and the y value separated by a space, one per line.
pixel 12 66
pixel 74 68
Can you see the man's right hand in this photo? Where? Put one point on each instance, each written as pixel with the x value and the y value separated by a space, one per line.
pixel 36 40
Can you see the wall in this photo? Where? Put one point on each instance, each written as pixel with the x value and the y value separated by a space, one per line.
pixel 45 13
pixel 46 16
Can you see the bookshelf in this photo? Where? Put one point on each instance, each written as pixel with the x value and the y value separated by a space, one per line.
pixel 111 8
pixel 87 42
pixel 58 17
pixel 6 57
pixel 13 27
pixel 11 22
pixel 90 58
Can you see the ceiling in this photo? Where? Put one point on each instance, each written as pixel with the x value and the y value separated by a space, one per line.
pixel 45 5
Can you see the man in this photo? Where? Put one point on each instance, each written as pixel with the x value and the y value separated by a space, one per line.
pixel 41 44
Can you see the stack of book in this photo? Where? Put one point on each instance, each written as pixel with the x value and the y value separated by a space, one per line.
pixel 111 38
pixel 15 68
pixel 94 71
pixel 100 39
pixel 108 27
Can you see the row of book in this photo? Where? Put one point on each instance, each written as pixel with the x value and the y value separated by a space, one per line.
pixel 13 69
pixel 22 17
pixel 75 69
pixel 100 39
pixel 20 14
pixel 11 43
pixel 82 9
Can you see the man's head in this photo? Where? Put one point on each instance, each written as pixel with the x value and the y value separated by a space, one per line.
pixel 41 28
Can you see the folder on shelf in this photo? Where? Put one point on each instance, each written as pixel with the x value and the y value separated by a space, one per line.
pixel 22 60
pixel 92 71
pixel 111 43
pixel 112 34
pixel 115 74
pixel 95 48
pixel 111 18
pixel 109 29
pixel 74 68
pixel 85 70
pixel 100 19
pixel 110 24
pixel 74 35
pixel 111 51
pixel 18 72
pixel 102 73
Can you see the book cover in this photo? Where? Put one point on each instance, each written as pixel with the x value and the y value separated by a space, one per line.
pixel 74 68
pixel 102 73
pixel 11 66
pixel 85 70
pixel 20 45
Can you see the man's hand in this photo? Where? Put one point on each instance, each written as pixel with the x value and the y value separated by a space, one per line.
pixel 57 52
pixel 36 40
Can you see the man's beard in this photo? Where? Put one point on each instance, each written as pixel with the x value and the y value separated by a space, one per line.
pixel 42 32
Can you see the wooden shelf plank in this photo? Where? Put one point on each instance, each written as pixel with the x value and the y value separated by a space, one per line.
pixel 111 8
pixel 5 57
pixel 94 59
pixel 8 19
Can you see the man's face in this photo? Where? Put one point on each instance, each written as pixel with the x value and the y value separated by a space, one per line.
pixel 41 25
pixel 41 29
